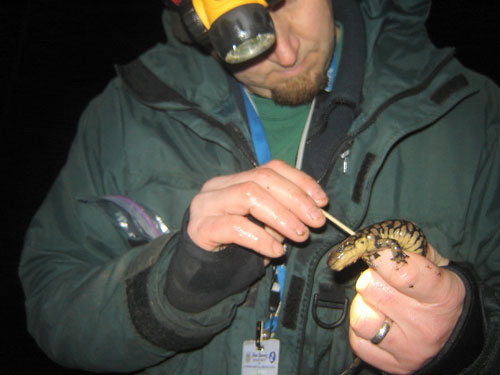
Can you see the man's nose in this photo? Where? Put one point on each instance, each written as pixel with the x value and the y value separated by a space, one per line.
pixel 286 48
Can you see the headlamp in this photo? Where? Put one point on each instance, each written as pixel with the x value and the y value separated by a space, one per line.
pixel 238 30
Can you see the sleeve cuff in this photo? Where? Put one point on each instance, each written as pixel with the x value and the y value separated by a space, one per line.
pixel 197 279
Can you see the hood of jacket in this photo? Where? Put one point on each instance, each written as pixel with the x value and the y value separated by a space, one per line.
pixel 197 77
pixel 400 64
pixel 398 47
pixel 391 62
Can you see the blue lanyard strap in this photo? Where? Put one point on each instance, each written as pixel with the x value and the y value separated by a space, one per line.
pixel 277 287
pixel 257 131
pixel 331 72
pixel 263 154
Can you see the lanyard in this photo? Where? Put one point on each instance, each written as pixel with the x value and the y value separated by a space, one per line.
pixel 257 131
pixel 263 154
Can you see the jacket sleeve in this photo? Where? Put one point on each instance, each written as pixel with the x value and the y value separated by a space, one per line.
pixel 197 279
pixel 82 280
pixel 474 348
pixel 483 239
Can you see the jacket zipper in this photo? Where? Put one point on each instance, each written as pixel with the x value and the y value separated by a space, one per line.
pixel 344 146
pixel 349 140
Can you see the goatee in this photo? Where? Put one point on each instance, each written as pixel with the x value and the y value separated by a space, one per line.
pixel 300 89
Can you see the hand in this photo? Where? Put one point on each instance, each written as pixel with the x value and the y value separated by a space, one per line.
pixel 283 198
pixel 423 301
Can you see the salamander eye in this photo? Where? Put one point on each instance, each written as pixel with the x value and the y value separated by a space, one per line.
pixel 360 242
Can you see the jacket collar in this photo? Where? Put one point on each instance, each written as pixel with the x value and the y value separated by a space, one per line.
pixel 184 77
pixel 407 84
pixel 335 111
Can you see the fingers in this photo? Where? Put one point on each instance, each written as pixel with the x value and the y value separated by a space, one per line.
pixel 418 278
pixel 423 301
pixel 377 296
pixel 366 322
pixel 376 356
pixel 277 181
pixel 391 353
pixel 418 295
pixel 417 317
pixel 283 198
pixel 249 198
pixel 290 185
pixel 221 230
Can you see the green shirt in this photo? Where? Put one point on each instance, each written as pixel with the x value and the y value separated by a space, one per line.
pixel 283 126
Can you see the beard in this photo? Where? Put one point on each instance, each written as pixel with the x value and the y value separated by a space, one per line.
pixel 300 89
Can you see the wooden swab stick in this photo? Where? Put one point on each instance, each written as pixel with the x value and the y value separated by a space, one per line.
pixel 338 223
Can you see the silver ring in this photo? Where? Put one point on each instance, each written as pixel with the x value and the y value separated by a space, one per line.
pixel 382 332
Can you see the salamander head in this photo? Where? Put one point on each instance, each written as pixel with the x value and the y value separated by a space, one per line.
pixel 342 255
pixel 349 251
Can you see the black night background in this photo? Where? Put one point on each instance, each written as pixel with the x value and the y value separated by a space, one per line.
pixel 56 55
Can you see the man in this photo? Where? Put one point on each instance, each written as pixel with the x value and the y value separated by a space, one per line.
pixel 384 126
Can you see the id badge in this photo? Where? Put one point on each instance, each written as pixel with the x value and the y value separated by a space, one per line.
pixel 260 362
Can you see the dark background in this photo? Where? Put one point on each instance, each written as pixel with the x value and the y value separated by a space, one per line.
pixel 56 55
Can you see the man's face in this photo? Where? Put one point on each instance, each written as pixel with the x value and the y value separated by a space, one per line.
pixel 294 70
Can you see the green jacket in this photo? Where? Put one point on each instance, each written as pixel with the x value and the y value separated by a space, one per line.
pixel 423 145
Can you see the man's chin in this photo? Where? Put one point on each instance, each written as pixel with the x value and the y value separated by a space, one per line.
pixel 299 90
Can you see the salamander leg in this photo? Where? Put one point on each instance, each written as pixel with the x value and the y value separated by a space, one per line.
pixel 398 254
pixel 369 257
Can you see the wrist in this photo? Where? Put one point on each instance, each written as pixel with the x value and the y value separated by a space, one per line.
pixel 198 279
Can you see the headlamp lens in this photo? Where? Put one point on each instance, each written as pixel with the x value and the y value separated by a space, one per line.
pixel 242 33
pixel 250 48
